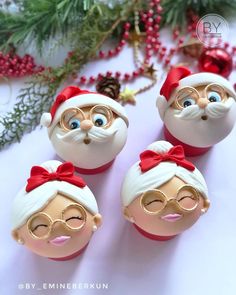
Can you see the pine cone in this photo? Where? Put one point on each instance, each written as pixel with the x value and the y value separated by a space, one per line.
pixel 109 86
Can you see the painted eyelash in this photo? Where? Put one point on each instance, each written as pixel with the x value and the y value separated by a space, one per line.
pixel 74 217
pixel 191 197
pixel 36 227
pixel 153 202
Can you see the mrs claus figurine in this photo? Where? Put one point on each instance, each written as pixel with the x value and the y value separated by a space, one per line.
pixel 163 194
pixel 198 110
pixel 55 214
pixel 86 128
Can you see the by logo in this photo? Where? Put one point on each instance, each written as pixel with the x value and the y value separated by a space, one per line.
pixel 212 29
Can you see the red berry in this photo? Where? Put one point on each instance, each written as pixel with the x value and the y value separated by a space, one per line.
pixel 118 74
pixel 159 9
pixel 91 79
pixel 83 79
pixel 126 76
pixel 127 26
pixel 110 53
pixel 126 35
pixel 101 54
pixel 135 73
pixel 122 43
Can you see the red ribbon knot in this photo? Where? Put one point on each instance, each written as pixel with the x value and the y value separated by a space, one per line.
pixel 64 172
pixel 150 159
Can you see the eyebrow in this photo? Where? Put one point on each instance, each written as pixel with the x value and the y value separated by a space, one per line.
pixel 99 110
pixel 182 93
pixel 216 88
pixel 69 115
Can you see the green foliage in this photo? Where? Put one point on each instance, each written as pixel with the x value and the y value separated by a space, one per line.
pixel 42 20
pixel 38 95
pixel 174 13
pixel 39 21
pixel 33 100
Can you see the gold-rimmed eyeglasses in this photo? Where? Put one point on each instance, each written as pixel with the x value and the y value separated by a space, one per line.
pixel 40 225
pixel 188 96
pixel 155 201
pixel 99 115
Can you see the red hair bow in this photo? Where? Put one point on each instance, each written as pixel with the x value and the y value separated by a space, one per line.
pixel 64 172
pixel 150 159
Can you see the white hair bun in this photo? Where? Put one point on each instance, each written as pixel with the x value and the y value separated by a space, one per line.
pixel 160 147
pixel 51 166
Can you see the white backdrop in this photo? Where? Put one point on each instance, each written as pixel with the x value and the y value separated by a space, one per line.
pixel 200 261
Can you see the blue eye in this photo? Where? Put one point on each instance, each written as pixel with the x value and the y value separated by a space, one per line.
pixel 187 102
pixel 99 120
pixel 74 123
pixel 214 96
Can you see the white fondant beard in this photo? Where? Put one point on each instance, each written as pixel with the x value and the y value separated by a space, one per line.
pixel 104 144
pixel 187 125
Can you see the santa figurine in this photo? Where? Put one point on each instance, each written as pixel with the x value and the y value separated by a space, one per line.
pixel 86 128
pixel 198 110
pixel 55 214
pixel 163 194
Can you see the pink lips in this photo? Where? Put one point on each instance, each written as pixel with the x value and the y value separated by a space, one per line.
pixel 60 241
pixel 172 217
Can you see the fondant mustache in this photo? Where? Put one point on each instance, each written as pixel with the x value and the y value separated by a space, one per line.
pixel 213 110
pixel 97 134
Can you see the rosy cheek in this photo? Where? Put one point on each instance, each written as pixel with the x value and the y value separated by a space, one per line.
pixel 140 216
pixel 36 244
pixel 86 231
pixel 192 217
pixel 197 211
pixel 83 235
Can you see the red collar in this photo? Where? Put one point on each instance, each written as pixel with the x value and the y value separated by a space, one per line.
pixel 151 236
pixel 70 256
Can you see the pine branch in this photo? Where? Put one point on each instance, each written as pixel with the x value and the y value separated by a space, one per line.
pixel 32 101
pixel 39 21
pixel 175 11
pixel 42 20
pixel 39 94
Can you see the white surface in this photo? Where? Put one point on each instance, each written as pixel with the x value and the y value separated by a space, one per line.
pixel 200 261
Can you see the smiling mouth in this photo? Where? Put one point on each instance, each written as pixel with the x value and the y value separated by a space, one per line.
pixel 204 117
pixel 172 217
pixel 60 241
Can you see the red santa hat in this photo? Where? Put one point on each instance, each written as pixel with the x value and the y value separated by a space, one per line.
pixel 73 96
pixel 181 76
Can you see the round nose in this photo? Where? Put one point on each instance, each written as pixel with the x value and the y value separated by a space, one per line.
pixel 57 227
pixel 171 203
pixel 202 103
pixel 57 224
pixel 86 125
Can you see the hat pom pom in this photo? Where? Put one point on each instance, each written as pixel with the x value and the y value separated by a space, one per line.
pixel 46 119
pixel 161 105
